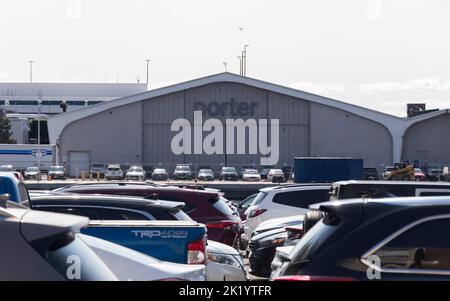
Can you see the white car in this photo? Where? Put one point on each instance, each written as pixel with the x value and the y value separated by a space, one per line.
pixel 251 175
pixel 282 201
pixel 224 263
pixel 130 265
pixel 136 173
pixel 275 175
pixel 113 172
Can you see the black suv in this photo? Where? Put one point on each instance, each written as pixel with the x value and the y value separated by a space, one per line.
pixel 383 239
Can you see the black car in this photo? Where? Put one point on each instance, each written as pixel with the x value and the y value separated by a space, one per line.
pixel 383 239
pixel 228 174
pixel 370 173
pixel 262 251
pixel 102 207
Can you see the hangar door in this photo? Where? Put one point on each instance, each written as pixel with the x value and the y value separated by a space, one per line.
pixel 78 162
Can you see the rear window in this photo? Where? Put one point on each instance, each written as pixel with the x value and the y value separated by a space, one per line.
pixel 308 246
pixel 91 267
pixel 23 192
pixel 220 204
pixel 259 198
pixel 302 198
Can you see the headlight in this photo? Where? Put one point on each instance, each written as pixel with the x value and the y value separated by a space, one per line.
pixel 233 260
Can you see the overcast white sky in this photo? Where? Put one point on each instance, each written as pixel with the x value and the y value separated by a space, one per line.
pixel 376 53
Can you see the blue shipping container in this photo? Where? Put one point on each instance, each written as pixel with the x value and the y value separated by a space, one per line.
pixel 327 169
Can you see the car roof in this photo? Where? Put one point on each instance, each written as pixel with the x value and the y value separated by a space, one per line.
pixel 99 199
pixel 412 183
pixel 294 187
pixel 133 186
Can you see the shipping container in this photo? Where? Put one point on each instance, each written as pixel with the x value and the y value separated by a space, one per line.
pixel 327 169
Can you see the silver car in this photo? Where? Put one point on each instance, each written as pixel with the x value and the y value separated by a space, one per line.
pixel 43 246
pixel 32 173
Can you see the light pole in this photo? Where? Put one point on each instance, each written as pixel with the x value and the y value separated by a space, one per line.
pixel 38 154
pixel 31 71
pixel 240 65
pixel 148 62
pixel 244 54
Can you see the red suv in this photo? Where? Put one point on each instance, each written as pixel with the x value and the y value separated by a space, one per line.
pixel 203 206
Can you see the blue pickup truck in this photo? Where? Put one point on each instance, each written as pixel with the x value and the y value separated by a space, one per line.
pixel 173 241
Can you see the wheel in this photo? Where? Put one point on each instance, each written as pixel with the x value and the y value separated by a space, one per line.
pixel 310 219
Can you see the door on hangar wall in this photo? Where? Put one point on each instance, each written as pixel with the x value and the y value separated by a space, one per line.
pixel 78 163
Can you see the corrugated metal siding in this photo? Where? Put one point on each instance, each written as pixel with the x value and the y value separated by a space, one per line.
pixel 160 112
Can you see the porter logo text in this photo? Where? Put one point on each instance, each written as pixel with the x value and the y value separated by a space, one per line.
pixel 235 139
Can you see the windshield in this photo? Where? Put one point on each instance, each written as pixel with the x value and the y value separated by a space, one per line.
pixel 251 172
pixel 229 169
pixel 205 171
pixel 5 168
pixel 91 267
pixel 307 247
pixel 135 168
pixel 32 169
pixel 183 168
pixel 158 170
pixel 57 168
pixel 417 170
pixel 98 165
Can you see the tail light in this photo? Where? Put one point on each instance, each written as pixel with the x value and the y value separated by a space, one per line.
pixel 225 225
pixel 314 278
pixel 196 252
pixel 257 212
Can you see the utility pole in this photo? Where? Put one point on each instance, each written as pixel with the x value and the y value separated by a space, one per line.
pixel 38 154
pixel 31 70
pixel 148 62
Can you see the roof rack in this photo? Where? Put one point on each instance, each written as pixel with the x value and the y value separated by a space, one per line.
pixel 300 185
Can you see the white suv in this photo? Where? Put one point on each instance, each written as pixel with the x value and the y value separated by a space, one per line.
pixel 281 201
pixel 113 172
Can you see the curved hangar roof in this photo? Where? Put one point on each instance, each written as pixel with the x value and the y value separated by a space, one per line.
pixel 397 126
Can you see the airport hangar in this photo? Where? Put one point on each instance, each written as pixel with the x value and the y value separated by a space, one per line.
pixel 149 128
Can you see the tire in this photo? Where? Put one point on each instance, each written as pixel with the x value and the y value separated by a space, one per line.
pixel 310 219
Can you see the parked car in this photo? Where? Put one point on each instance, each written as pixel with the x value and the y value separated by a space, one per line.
pixel 243 169
pixel 15 189
pixel 160 174
pixel 183 172
pixel 40 243
pixel 419 175
pixel 433 173
pixel 114 172
pixel 103 207
pixel 204 206
pixel 136 173
pixel 228 174
pixel 384 189
pixel 244 204
pixel 370 173
pixel 251 175
pixel 287 171
pixel 224 263
pixel 399 239
pixel 130 265
pixel 32 173
pixel 57 172
pixel 282 201
pixel 262 249
pixel 205 175
pixel 265 170
pixel 275 176
pixel 97 169
pixel 387 171
pixel 7 168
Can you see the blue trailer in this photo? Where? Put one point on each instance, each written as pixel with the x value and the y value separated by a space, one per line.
pixel 327 169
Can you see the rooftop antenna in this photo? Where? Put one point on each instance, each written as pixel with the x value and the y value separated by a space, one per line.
pixel 244 54
pixel 148 62
pixel 31 70
pixel 225 65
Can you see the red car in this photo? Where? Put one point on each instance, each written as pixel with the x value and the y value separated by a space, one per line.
pixel 419 175
pixel 203 206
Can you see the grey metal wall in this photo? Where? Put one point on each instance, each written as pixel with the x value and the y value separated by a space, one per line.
pixel 428 141
pixel 111 136
pixel 160 112
pixel 338 133
pixel 140 132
